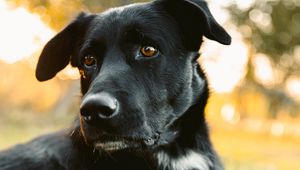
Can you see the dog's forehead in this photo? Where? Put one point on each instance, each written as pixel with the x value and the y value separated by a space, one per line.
pixel 116 20
pixel 133 9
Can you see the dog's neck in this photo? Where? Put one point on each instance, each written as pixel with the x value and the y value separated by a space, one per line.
pixel 192 148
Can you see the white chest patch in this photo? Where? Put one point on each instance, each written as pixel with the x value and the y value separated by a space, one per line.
pixel 191 160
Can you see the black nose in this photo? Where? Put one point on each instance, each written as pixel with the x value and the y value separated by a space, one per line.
pixel 98 106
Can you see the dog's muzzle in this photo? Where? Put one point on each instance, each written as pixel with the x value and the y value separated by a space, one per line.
pixel 102 119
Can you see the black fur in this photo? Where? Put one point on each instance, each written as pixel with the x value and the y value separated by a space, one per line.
pixel 161 100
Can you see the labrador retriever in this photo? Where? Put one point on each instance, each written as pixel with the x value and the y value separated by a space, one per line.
pixel 143 91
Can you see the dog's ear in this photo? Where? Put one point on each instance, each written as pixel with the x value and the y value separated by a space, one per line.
pixel 57 52
pixel 195 20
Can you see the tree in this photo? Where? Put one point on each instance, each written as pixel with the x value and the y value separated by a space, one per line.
pixel 57 12
pixel 272 28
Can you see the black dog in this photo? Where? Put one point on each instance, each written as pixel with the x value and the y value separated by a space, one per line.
pixel 144 93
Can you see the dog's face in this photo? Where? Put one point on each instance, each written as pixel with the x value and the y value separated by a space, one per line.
pixel 138 69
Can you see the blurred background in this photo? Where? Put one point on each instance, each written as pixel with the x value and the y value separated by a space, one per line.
pixel 254 109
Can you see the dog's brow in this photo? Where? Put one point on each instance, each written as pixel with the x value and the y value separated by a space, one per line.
pixel 142 34
pixel 133 33
pixel 92 46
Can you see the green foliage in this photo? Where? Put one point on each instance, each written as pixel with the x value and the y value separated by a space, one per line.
pixel 272 27
pixel 276 38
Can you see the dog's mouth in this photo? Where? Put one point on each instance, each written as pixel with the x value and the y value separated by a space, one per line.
pixel 111 146
pixel 110 143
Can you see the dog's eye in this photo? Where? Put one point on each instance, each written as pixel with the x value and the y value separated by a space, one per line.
pixel 89 61
pixel 148 51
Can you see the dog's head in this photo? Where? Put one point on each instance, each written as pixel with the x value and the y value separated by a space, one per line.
pixel 138 68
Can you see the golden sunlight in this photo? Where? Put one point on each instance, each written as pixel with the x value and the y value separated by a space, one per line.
pixel 225 65
pixel 21 32
pixel 293 87
pixel 229 114
pixel 263 69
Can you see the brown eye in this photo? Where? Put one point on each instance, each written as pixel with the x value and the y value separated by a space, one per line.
pixel 89 61
pixel 148 51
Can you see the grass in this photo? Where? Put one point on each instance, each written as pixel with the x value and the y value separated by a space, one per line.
pixel 243 150
pixel 20 127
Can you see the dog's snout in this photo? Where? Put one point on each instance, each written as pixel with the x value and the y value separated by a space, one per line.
pixel 98 106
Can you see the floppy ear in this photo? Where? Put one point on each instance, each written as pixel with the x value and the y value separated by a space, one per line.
pixel 57 52
pixel 195 20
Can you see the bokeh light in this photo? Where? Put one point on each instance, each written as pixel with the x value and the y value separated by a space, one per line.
pixel 22 33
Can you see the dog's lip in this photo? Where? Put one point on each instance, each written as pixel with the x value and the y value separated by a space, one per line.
pixel 115 143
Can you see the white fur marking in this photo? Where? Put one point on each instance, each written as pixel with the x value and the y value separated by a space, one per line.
pixel 191 160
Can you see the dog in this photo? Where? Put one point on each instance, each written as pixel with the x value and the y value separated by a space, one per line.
pixel 143 91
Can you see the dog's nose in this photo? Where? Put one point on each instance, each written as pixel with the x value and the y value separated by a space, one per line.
pixel 98 106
